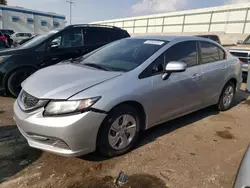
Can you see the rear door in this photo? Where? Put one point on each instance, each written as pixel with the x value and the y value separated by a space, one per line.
pixel 214 71
pixel 63 46
pixel 95 38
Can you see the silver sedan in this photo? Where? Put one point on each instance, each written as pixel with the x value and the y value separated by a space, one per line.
pixel 106 98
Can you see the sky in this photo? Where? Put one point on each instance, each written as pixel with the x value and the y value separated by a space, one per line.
pixel 85 11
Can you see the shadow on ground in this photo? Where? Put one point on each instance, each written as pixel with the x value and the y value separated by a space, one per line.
pixel 15 154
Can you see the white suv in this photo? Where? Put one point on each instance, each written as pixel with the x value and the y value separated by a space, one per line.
pixel 18 37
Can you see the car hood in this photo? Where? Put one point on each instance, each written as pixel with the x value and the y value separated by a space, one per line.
pixel 64 80
pixel 241 47
pixel 11 52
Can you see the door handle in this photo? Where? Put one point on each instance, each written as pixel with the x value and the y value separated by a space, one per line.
pixel 196 76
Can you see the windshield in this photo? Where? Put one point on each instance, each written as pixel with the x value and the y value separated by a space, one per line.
pixel 38 39
pixel 247 41
pixel 123 55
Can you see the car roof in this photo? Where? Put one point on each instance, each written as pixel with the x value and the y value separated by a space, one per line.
pixel 167 38
pixel 96 26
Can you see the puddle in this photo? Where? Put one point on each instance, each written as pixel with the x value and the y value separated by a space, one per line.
pixel 225 134
pixel 134 181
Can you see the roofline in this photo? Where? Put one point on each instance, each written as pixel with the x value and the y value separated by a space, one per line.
pixel 30 11
pixel 95 25
pixel 181 13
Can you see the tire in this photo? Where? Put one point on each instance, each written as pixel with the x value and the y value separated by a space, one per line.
pixel 225 104
pixel 121 115
pixel 16 78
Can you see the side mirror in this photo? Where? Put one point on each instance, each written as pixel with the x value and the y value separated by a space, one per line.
pixel 174 66
pixel 239 41
pixel 54 45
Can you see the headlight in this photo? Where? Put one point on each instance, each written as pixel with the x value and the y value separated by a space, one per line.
pixel 4 58
pixel 55 108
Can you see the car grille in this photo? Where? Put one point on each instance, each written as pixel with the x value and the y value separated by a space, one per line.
pixel 239 54
pixel 28 102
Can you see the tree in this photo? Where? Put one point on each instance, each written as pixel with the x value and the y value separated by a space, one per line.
pixel 3 2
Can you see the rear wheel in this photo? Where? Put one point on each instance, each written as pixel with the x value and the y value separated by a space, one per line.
pixel 227 97
pixel 119 132
pixel 16 78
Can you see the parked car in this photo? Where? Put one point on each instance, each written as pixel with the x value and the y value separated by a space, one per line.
pixel 7 31
pixel 2 37
pixel 51 48
pixel 17 37
pixel 212 37
pixel 242 51
pixel 104 99
pixel 243 176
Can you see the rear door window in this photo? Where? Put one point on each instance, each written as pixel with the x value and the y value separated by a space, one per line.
pixel 211 52
pixel 96 36
pixel 116 35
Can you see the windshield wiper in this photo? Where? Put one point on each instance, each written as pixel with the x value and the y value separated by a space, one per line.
pixel 97 66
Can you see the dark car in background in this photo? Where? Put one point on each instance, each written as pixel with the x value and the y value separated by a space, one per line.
pixel 51 48
pixel 7 31
pixel 211 37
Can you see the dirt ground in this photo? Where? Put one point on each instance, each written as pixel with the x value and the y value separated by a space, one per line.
pixel 203 149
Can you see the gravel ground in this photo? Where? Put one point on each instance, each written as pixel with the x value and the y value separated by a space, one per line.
pixel 203 149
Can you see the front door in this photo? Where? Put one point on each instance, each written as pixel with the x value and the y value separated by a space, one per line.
pixel 180 92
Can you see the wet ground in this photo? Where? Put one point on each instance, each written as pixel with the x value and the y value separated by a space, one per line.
pixel 203 149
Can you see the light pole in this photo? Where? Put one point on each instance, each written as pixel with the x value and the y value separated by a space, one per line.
pixel 70 10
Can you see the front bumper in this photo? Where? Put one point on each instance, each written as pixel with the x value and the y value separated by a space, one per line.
pixel 70 136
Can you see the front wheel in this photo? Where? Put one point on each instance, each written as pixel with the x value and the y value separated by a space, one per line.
pixel 16 78
pixel 227 97
pixel 120 131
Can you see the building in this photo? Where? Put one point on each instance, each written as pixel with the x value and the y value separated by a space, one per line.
pixel 230 21
pixel 25 20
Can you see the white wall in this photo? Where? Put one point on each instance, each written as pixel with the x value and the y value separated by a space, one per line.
pixel 39 28
pixel 228 19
